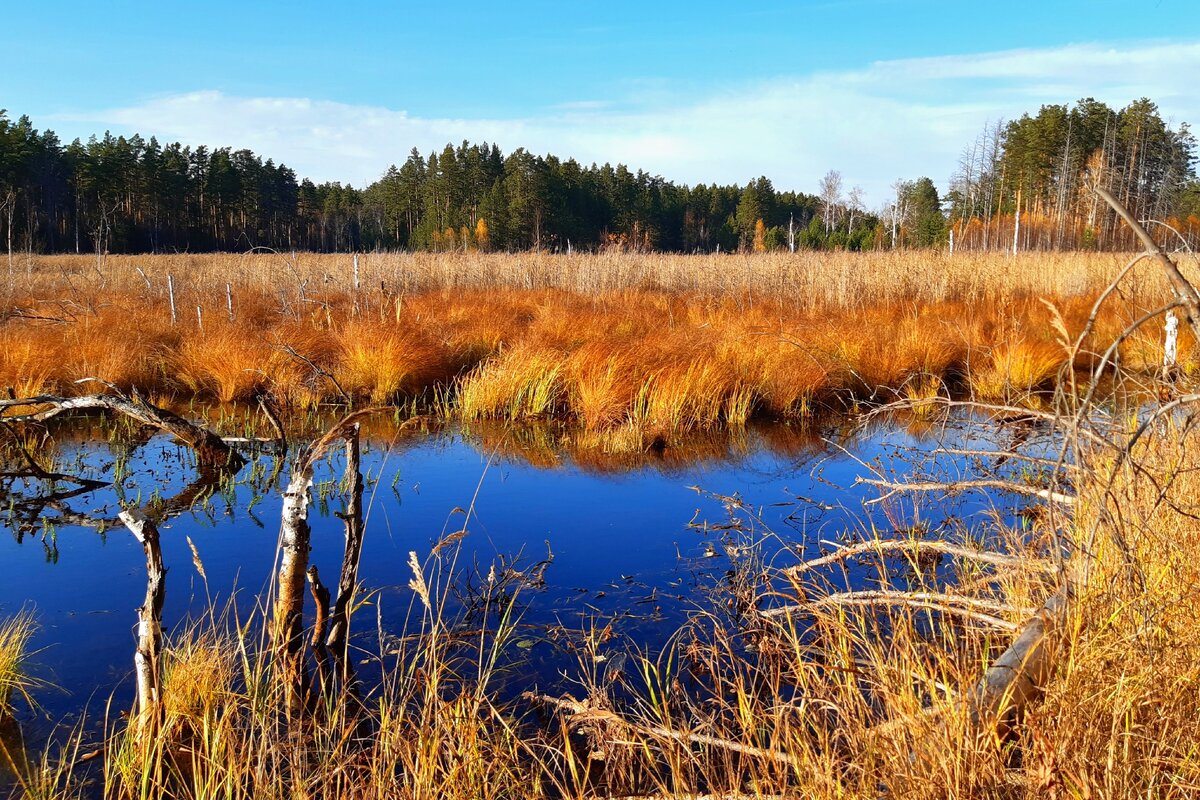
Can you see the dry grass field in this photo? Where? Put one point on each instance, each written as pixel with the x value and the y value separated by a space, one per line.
pixel 631 345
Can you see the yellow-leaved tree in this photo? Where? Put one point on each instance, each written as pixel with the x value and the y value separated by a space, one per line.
pixel 760 236
pixel 482 240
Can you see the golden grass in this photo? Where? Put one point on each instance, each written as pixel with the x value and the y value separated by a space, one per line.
pixel 16 633
pixel 1016 367
pixel 611 340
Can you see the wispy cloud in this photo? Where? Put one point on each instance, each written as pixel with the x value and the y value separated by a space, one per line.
pixel 886 120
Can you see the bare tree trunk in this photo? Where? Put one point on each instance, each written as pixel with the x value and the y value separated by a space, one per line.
pixel 287 617
pixel 147 658
pixel 348 581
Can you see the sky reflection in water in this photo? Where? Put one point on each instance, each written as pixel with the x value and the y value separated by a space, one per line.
pixel 624 538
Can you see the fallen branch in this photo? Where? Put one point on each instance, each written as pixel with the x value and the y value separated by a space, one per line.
pixel 958 486
pixel 211 452
pixel 1016 678
pixel 969 607
pixel 881 546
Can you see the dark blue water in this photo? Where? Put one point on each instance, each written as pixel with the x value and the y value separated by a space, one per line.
pixel 638 540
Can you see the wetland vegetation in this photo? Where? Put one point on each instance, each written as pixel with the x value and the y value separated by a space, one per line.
pixel 1044 647
pixel 941 539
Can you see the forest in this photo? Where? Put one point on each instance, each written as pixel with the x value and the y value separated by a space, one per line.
pixel 1025 184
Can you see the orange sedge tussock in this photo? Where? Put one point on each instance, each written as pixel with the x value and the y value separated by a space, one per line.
pixel 601 385
pixel 28 365
pixel 519 382
pixel 1016 368
pixel 602 338
pixel 113 348
pixel 223 363
pixel 380 361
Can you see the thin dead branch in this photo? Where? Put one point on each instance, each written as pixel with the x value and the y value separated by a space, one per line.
pixel 951 487
pixel 914 547
pixel 969 607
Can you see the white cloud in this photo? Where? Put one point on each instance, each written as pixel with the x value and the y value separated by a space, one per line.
pixel 890 119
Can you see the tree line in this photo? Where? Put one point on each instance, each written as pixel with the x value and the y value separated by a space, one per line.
pixel 1029 184
pixel 1028 179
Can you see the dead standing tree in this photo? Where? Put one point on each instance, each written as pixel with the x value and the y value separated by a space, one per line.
pixel 287 619
pixel 146 660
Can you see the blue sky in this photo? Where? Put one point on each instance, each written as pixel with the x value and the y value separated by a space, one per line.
pixel 878 89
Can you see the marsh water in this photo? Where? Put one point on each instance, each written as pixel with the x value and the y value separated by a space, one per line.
pixel 586 538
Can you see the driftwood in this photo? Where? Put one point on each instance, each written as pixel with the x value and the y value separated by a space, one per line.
pixel 147 656
pixel 912 547
pixel 211 452
pixel 968 607
pixel 1016 678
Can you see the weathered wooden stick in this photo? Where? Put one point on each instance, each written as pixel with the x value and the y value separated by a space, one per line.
pixel 1016 678
pixel 969 607
pixel 147 657
pixel 582 713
